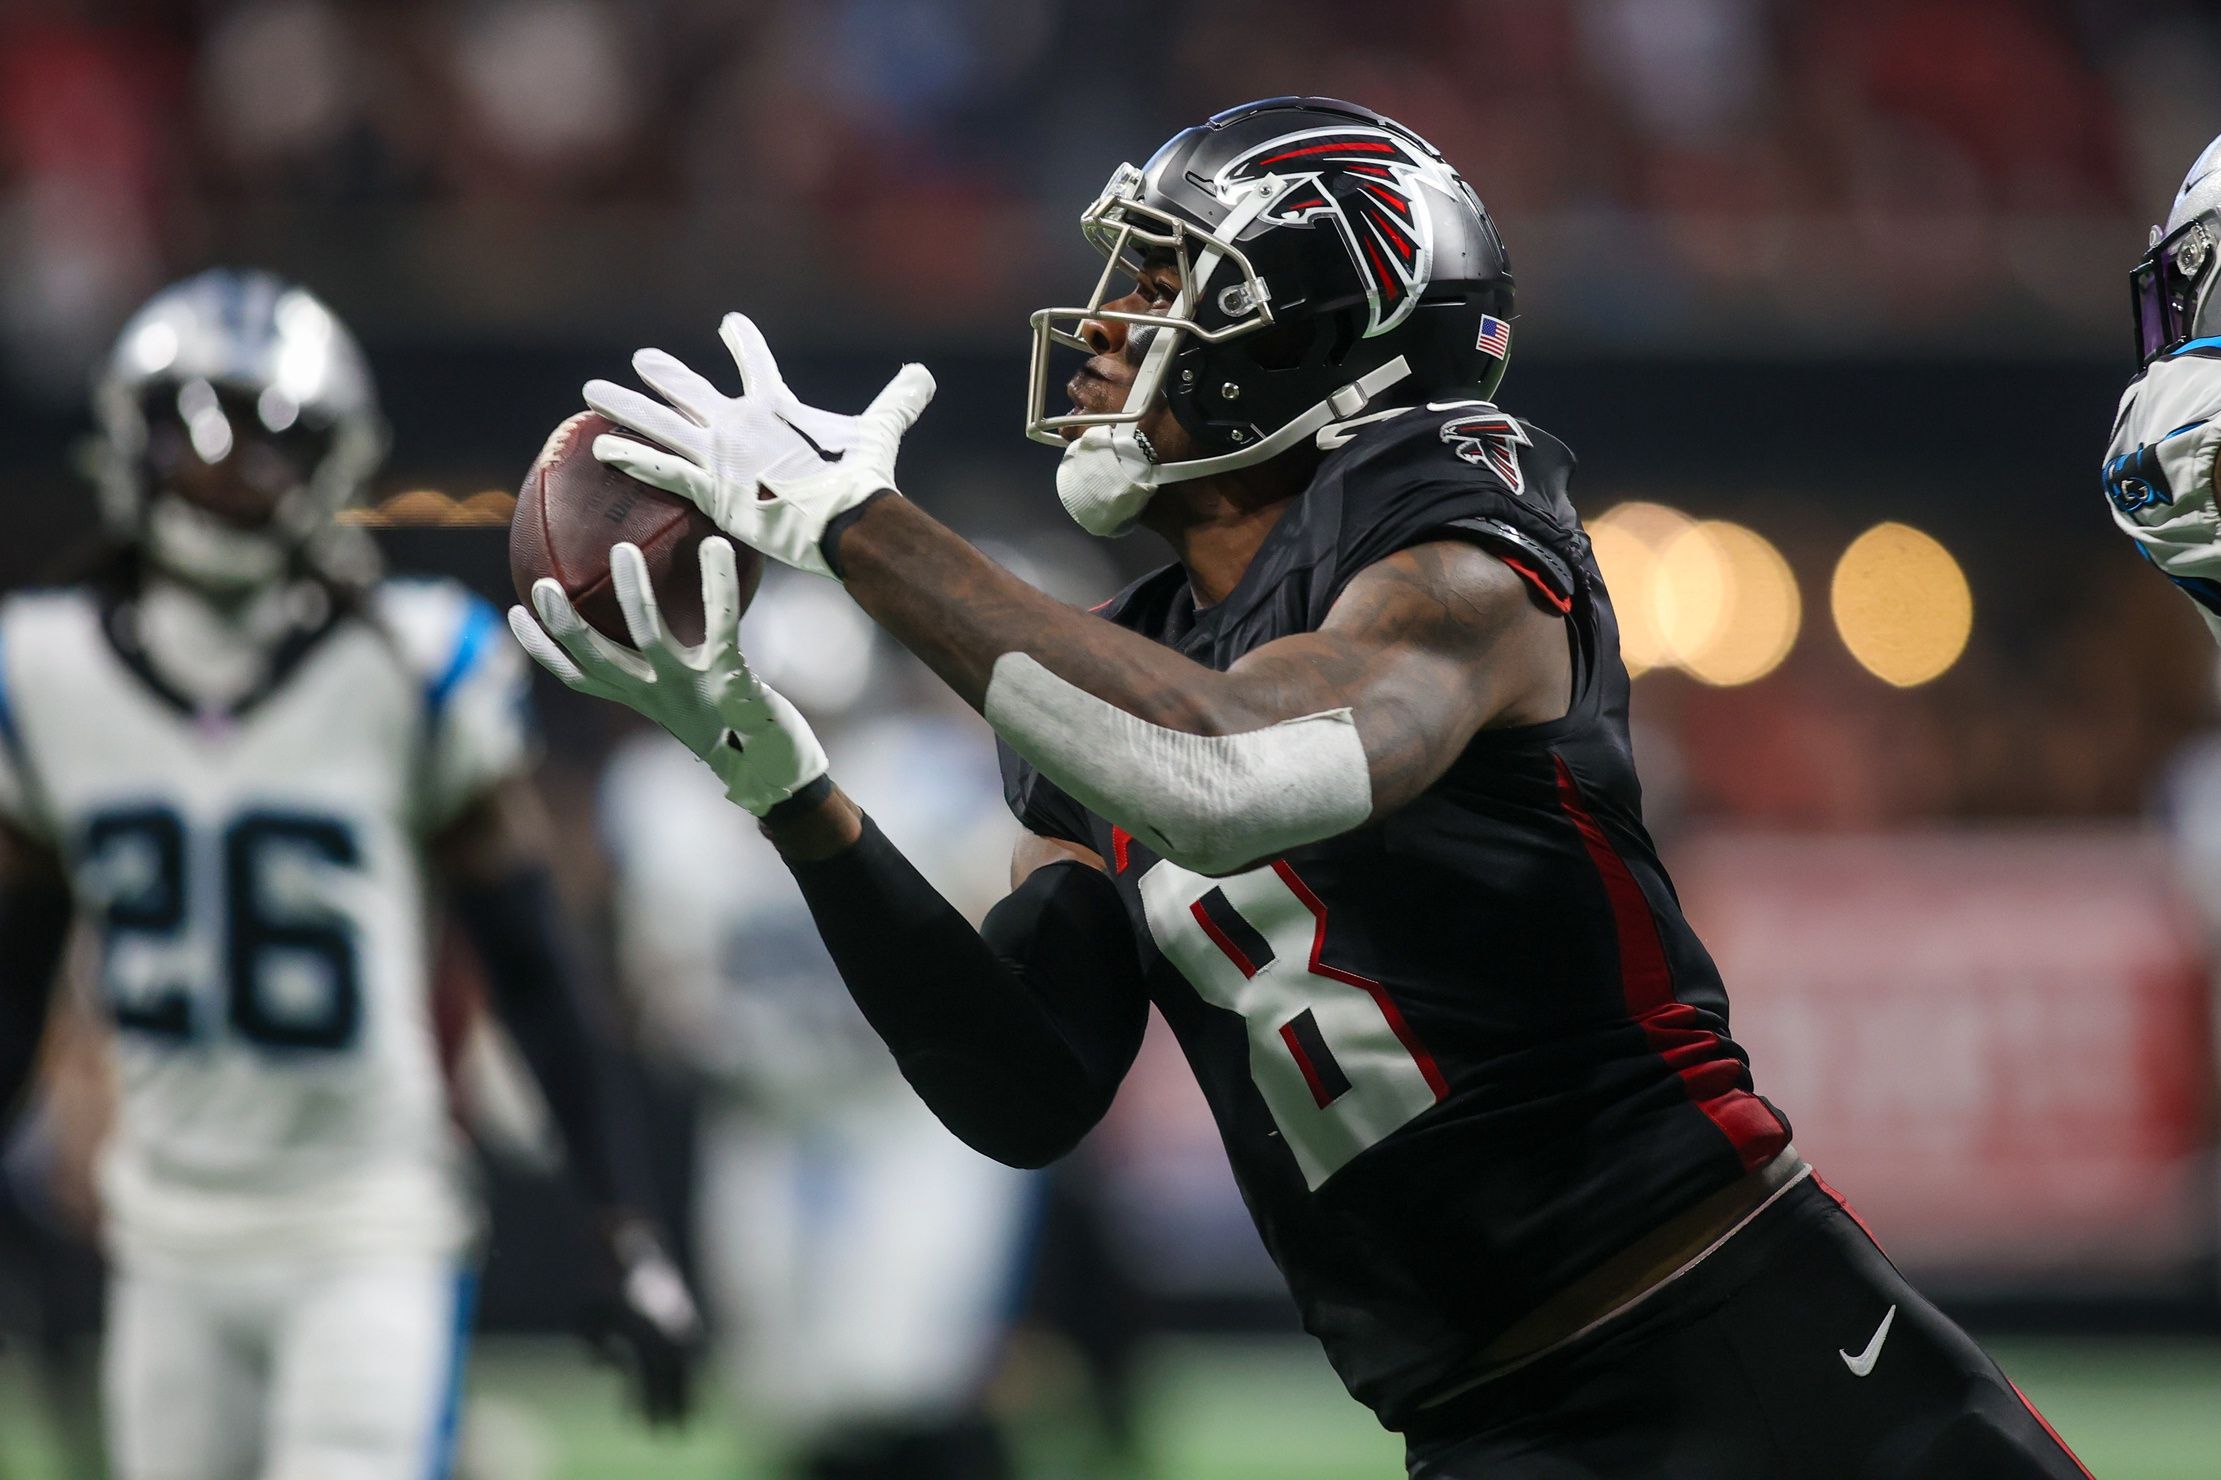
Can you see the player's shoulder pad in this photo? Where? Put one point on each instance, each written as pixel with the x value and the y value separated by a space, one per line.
pixel 46 636
pixel 1464 467
pixel 446 633
pixel 45 621
pixel 49 603
pixel 1463 441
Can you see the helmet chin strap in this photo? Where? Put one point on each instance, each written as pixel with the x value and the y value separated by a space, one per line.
pixel 1110 473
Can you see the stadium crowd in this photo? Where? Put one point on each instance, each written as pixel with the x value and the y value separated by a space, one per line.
pixel 1682 172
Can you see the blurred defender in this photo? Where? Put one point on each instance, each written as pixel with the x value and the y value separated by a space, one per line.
pixel 2160 469
pixel 244 761
pixel 863 1264
pixel 1347 793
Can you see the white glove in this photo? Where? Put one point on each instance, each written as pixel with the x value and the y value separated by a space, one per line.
pixel 768 470
pixel 756 742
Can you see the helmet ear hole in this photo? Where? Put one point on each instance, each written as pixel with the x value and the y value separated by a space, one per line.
pixel 1282 346
pixel 1346 326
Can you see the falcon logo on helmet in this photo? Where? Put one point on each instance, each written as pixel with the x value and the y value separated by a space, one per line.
pixel 1326 258
pixel 1489 439
pixel 1365 182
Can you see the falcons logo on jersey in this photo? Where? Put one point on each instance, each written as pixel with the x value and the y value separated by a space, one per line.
pixel 1489 439
pixel 1365 183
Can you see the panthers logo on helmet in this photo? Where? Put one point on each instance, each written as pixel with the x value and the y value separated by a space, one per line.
pixel 1364 181
pixel 1489 439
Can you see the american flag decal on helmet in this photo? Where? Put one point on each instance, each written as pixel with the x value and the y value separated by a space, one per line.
pixel 1364 182
pixel 1490 439
pixel 1495 338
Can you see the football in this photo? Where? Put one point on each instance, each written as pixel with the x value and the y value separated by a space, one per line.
pixel 573 507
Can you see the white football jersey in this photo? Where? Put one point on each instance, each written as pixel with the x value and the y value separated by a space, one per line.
pixel 2159 470
pixel 256 882
pixel 714 934
pixel 862 1261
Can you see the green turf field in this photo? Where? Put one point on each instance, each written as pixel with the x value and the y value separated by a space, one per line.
pixel 1225 1410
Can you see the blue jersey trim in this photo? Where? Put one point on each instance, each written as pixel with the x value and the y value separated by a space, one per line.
pixel 478 628
pixel 2211 341
pixel 2202 589
pixel 1025 1252
pixel 9 736
pixel 440 1464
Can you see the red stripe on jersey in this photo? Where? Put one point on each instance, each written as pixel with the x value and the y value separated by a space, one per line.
pixel 1224 942
pixel 1120 841
pixel 2072 1457
pixel 1646 982
pixel 1303 1062
pixel 1378 993
pixel 1560 604
pixel 1844 1203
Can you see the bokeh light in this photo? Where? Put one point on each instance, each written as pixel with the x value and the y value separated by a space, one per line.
pixel 1901 604
pixel 1713 599
pixel 1727 603
pixel 1629 539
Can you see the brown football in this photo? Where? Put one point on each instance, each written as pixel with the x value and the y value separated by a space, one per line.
pixel 573 507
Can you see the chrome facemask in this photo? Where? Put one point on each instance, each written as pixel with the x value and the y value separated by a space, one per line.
pixel 1127 230
pixel 1110 471
pixel 2169 287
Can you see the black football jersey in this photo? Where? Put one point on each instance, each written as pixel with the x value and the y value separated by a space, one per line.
pixel 1462 1055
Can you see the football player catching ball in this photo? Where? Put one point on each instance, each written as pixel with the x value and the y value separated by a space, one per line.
pixel 1346 791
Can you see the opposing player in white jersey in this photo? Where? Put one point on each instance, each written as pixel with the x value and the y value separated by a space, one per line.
pixel 862 1263
pixel 250 767
pixel 2159 470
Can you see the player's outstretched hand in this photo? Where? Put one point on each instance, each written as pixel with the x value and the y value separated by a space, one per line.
pixel 758 744
pixel 647 1324
pixel 770 471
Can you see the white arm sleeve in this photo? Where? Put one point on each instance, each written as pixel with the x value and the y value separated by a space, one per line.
pixel 2159 475
pixel 1210 803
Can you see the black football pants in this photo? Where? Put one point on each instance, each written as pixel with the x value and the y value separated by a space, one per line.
pixel 1794 1352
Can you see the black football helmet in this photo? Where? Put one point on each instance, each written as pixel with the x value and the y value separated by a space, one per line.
pixel 1328 258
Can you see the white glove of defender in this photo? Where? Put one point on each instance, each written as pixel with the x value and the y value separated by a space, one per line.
pixel 756 742
pixel 768 470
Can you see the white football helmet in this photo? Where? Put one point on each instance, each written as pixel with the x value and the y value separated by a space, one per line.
pixel 2172 287
pixel 206 368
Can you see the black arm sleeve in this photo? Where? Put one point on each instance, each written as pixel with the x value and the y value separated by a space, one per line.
pixel 516 926
pixel 34 926
pixel 1017 1034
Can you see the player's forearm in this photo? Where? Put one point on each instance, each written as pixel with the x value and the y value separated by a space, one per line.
pixel 1211 770
pixel 959 611
pixel 514 923
pixel 1016 1036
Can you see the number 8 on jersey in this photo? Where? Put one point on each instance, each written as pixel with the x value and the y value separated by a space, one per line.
pixel 1337 1065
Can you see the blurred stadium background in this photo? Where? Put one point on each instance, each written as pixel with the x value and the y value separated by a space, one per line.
pixel 1828 297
